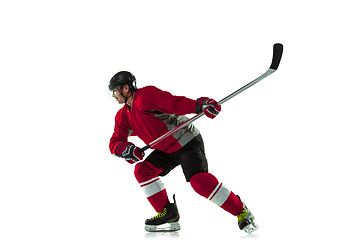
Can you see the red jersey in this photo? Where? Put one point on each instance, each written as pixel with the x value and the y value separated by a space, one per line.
pixel 153 113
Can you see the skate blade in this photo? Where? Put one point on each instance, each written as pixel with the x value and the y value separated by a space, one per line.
pixel 251 227
pixel 166 227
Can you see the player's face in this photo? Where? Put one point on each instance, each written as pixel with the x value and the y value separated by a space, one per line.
pixel 121 94
pixel 118 97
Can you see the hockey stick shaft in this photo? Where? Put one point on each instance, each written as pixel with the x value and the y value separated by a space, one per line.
pixel 277 53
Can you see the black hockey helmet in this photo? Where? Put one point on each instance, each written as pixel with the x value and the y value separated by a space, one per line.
pixel 120 79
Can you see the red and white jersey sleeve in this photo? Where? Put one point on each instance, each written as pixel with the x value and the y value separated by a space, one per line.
pixel 165 102
pixel 121 131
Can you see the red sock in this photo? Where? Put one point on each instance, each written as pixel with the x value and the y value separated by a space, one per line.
pixel 209 187
pixel 148 177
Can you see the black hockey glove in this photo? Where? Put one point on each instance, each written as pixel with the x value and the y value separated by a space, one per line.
pixel 129 151
pixel 209 106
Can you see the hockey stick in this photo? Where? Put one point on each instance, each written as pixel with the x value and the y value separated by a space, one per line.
pixel 277 53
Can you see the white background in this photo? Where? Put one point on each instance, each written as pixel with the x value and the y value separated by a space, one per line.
pixel 289 146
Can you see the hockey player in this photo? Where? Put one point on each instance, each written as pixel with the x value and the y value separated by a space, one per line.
pixel 149 113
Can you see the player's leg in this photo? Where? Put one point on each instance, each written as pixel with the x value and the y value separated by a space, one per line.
pixel 208 186
pixel 194 165
pixel 195 168
pixel 148 177
pixel 147 173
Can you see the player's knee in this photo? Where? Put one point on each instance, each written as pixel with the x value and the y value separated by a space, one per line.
pixel 144 171
pixel 204 183
pixel 141 170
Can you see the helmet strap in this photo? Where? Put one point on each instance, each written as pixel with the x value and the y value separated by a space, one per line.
pixel 126 98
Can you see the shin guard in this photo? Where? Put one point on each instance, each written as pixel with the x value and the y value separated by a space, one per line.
pixel 209 187
pixel 148 177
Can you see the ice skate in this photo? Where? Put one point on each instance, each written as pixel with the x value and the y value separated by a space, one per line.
pixel 246 221
pixel 165 221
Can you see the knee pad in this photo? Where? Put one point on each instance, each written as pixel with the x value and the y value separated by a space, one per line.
pixel 144 171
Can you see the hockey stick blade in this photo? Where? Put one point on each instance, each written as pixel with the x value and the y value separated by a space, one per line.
pixel 277 53
pixel 276 57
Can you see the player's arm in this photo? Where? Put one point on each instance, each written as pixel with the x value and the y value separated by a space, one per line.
pixel 166 102
pixel 119 145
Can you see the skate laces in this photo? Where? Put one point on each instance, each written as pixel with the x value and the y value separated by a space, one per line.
pixel 242 215
pixel 160 214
